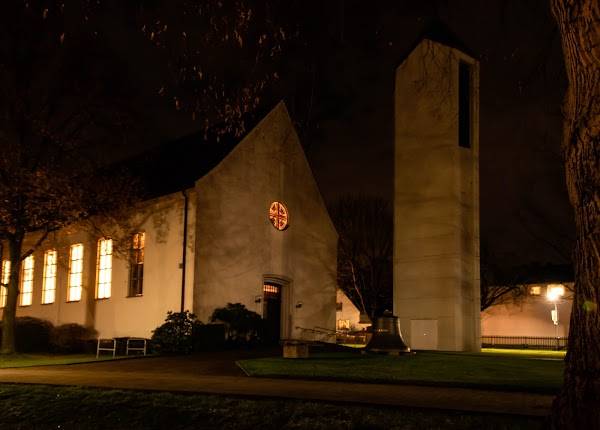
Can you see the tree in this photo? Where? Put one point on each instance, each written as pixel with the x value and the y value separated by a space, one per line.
pixel 496 286
pixel 220 57
pixel 579 23
pixel 54 111
pixel 365 252
pixel 65 96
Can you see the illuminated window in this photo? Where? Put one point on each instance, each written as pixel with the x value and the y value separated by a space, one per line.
pixel 535 290
pixel 104 268
pixel 49 285
pixel 279 215
pixel 136 269
pixel 27 281
pixel 4 282
pixel 75 273
pixel 271 290
pixel 343 324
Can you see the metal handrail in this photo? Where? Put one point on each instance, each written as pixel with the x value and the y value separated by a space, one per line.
pixel 317 330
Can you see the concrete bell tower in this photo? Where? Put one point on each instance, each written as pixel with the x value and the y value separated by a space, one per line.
pixel 436 198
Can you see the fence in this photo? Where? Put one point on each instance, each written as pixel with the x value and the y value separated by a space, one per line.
pixel 524 342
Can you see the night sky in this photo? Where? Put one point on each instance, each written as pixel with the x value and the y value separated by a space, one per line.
pixel 338 83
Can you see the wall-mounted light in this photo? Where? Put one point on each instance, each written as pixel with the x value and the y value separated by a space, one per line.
pixel 257 299
pixel 298 305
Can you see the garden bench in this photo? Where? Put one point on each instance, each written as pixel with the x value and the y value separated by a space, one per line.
pixel 106 345
pixel 136 344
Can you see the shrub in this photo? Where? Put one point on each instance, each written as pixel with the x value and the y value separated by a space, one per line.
pixel 175 336
pixel 71 338
pixel 32 334
pixel 242 326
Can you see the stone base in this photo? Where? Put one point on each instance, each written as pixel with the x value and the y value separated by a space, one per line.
pixel 295 350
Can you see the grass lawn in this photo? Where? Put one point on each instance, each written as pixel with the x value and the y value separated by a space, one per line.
pixel 28 360
pixel 493 370
pixel 528 353
pixel 43 407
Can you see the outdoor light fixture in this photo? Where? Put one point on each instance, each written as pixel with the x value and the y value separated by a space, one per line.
pixel 298 305
pixel 257 299
pixel 554 292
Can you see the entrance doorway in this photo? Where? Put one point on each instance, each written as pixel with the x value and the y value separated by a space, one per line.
pixel 272 311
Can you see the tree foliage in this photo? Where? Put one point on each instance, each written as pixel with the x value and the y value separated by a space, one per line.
pixel 242 325
pixel 365 252
pixel 496 285
pixel 56 109
pixel 176 335
pixel 220 57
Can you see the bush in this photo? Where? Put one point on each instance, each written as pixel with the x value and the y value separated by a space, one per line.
pixel 175 336
pixel 242 326
pixel 71 338
pixel 209 337
pixel 32 334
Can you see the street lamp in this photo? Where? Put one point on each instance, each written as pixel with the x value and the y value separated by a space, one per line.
pixel 553 293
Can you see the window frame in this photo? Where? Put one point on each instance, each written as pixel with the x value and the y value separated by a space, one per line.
pixel 27 280
pixel 103 267
pixel 70 286
pixel 136 264
pixel 465 104
pixel 46 277
pixel 4 280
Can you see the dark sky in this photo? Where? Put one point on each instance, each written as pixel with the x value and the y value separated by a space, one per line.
pixel 339 87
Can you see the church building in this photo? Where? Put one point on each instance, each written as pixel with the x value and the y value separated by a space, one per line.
pixel 245 224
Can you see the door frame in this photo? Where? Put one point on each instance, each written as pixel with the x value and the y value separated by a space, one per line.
pixel 285 283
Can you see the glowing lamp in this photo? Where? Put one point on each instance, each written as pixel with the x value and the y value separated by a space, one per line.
pixel 555 292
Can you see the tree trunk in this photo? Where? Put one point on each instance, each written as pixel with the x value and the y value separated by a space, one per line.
pixel 15 244
pixel 578 404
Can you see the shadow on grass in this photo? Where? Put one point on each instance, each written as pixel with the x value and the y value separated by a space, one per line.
pixel 424 368
pixel 45 407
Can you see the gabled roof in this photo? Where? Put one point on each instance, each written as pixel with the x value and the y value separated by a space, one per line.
pixel 437 31
pixel 176 165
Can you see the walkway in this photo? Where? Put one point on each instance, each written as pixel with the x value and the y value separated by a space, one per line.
pixel 217 374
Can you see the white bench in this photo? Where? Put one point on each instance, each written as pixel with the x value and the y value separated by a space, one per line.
pixel 106 345
pixel 136 340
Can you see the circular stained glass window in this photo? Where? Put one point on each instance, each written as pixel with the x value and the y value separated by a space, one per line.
pixel 279 215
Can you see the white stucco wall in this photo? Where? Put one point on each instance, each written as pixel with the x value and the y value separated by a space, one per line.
pixel 232 246
pixel 436 228
pixel 120 315
pixel 528 316
pixel 237 247
pixel 349 312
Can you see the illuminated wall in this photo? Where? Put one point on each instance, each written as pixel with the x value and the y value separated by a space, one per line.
pixel 238 247
pixel 528 316
pixel 436 229
pixel 232 247
pixel 119 315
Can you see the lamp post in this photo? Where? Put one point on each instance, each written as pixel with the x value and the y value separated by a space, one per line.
pixel 553 293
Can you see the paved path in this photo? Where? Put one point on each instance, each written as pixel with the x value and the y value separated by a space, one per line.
pixel 187 375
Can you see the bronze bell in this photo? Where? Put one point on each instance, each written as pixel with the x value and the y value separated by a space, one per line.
pixel 387 337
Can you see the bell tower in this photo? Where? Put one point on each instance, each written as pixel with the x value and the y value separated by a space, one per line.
pixel 436 197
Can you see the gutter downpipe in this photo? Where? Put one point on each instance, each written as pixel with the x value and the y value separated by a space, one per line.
pixel 184 250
